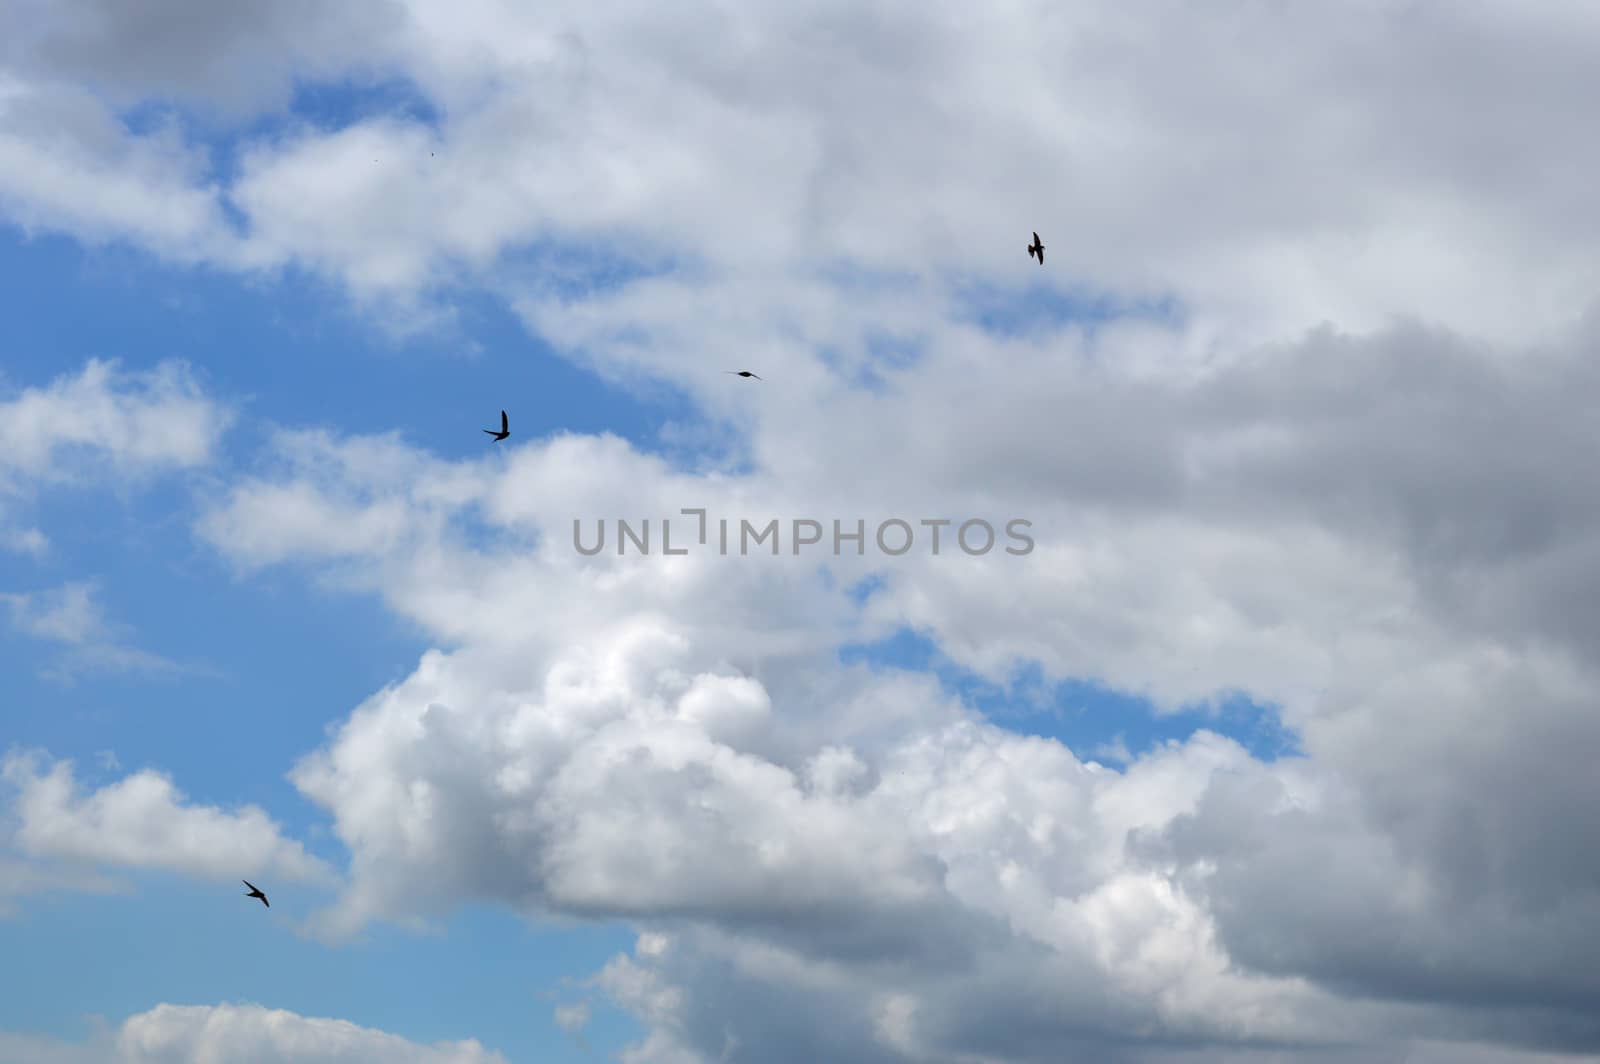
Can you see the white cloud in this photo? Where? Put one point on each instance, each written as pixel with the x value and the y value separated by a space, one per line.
pixel 21 877
pixel 28 541
pixel 68 614
pixel 855 133
pixel 572 1018
pixel 198 1034
pixel 172 1034
pixel 68 165
pixel 223 61
pixel 106 421
pixel 594 754
pixel 143 821
pixel 660 739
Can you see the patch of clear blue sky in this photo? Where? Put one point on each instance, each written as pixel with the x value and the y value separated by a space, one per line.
pixel 1041 306
pixel 336 104
pixel 489 975
pixel 1084 715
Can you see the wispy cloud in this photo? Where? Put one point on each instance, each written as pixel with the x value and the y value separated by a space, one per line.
pixel 20 877
pixel 72 615
pixel 67 614
pixel 30 541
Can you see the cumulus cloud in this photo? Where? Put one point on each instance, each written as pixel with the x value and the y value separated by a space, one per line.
pixel 105 419
pixel 69 165
pixel 172 1034
pixel 194 1034
pixel 600 754
pixel 142 821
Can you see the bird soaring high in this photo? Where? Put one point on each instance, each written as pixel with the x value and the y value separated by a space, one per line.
pixel 505 428
pixel 256 893
pixel 1036 249
pixel 741 373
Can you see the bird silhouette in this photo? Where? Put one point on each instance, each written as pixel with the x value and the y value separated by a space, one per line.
pixel 1036 249
pixel 741 373
pixel 505 428
pixel 255 892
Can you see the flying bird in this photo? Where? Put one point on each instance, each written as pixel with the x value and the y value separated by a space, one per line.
pixel 741 373
pixel 1036 249
pixel 255 892
pixel 505 428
